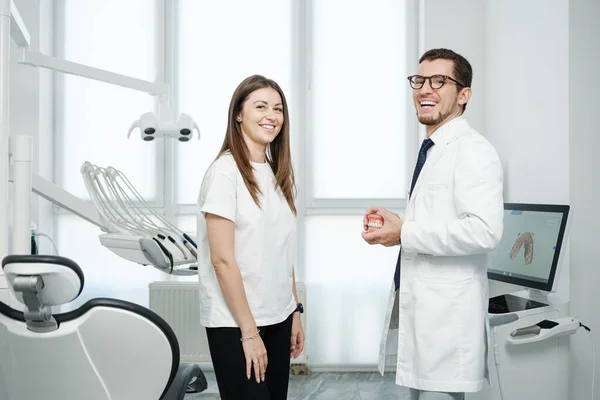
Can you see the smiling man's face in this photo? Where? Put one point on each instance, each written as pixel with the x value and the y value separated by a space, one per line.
pixel 437 106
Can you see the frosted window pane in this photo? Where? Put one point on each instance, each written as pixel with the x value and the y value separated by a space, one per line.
pixel 95 115
pixel 187 223
pixel 359 99
pixel 221 43
pixel 347 287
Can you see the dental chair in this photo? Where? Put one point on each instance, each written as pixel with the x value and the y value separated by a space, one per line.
pixel 105 350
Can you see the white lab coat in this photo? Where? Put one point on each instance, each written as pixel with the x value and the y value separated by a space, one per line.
pixel 436 325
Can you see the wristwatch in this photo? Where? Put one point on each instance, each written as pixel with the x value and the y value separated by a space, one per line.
pixel 299 308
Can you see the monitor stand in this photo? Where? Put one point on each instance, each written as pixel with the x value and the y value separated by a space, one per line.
pixel 508 303
pixel 536 294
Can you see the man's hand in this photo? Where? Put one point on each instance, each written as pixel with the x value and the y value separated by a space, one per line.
pixel 389 234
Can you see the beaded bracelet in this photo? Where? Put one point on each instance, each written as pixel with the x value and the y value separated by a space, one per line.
pixel 245 339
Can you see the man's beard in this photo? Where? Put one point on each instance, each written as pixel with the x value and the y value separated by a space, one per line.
pixel 432 119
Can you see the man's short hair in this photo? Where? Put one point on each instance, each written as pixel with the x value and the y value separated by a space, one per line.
pixel 462 68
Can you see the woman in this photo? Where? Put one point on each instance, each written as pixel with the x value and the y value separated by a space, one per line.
pixel 247 244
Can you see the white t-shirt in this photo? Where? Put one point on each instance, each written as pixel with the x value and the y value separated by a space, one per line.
pixel 264 249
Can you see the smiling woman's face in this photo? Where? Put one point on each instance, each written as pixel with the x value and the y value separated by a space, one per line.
pixel 261 117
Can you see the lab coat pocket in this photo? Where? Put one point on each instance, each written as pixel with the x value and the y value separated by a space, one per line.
pixel 435 187
pixel 438 323
pixel 440 270
pixel 435 203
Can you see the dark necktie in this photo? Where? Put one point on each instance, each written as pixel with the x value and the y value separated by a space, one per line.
pixel 427 143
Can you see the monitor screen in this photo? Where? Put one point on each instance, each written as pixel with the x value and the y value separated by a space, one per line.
pixel 529 251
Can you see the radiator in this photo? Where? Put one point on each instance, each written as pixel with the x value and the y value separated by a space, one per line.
pixel 178 304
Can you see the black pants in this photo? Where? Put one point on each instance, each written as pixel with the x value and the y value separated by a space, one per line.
pixel 229 363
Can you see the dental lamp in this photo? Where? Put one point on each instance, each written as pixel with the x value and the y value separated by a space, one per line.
pixel 165 125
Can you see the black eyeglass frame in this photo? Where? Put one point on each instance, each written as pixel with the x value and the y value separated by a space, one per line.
pixel 425 78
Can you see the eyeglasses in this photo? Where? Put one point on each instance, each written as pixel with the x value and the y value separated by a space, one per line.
pixel 435 81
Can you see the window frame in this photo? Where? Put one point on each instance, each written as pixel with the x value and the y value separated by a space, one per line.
pixel 167 50
pixel 160 204
pixel 350 206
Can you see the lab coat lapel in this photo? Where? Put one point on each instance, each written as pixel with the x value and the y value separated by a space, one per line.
pixel 441 138
pixel 434 155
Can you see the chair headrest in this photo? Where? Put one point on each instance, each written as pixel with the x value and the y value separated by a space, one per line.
pixel 63 278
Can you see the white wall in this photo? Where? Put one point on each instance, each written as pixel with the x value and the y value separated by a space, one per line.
pixel 526 110
pixel 584 65
pixel 520 90
pixel 458 25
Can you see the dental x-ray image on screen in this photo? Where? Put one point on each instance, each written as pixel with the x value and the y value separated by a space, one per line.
pixel 528 253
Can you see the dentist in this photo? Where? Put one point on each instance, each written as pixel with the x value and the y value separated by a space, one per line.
pixel 436 325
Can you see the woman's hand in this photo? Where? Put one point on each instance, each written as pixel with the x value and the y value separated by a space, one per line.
pixel 297 341
pixel 256 356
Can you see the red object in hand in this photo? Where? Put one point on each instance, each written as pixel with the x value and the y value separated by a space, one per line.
pixel 374 221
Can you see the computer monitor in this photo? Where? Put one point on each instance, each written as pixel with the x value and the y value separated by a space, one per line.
pixel 532 245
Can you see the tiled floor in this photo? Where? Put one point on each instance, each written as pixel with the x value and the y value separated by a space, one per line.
pixel 325 386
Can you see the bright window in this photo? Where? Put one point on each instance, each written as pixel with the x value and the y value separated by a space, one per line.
pixel 358 98
pixel 218 48
pixel 93 117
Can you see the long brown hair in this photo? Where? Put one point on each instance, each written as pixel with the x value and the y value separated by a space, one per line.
pixel 278 151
